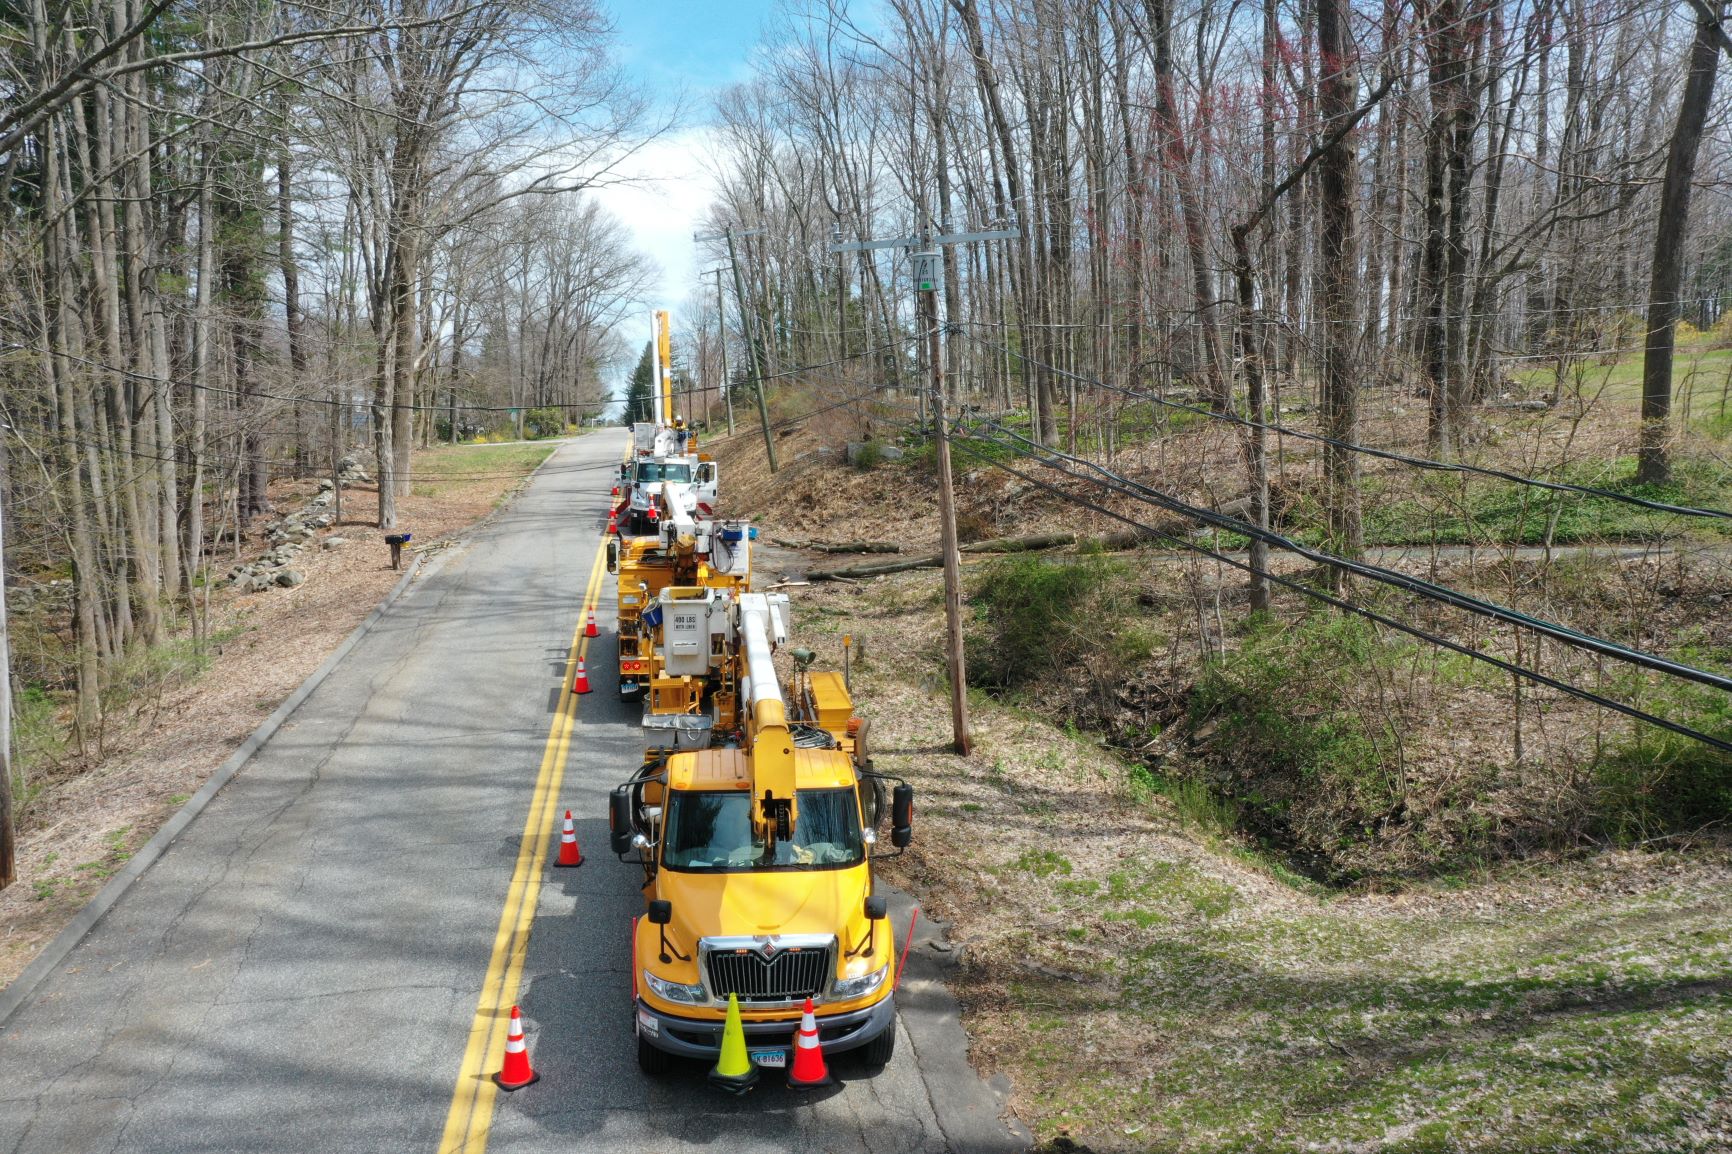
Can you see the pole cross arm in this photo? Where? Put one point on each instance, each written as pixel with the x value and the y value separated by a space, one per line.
pixel 916 242
pixel 863 245
pixel 991 234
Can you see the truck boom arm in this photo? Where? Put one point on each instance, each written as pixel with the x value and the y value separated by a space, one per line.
pixel 769 743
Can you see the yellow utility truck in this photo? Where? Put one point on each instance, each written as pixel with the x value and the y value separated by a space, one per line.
pixel 756 848
pixel 672 595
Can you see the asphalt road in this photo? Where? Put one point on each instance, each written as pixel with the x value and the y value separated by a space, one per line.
pixel 302 970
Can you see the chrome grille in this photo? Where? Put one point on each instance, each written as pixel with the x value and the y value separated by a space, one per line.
pixel 769 969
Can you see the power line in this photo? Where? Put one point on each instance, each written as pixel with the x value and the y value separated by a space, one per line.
pixel 1368 450
pixel 1416 585
pixel 1572 690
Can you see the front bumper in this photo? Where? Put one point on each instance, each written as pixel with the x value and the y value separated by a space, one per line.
pixel 702 1038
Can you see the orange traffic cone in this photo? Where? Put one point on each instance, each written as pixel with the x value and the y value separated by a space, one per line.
pixel 580 683
pixel 589 630
pixel 516 1073
pixel 613 522
pixel 569 854
pixel 808 1071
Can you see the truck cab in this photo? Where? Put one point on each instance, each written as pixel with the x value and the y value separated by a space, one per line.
pixel 757 857
pixel 652 482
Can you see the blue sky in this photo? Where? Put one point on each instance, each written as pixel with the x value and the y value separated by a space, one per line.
pixel 685 52
pixel 679 43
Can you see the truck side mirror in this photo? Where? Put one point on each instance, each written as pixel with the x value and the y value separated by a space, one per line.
pixel 661 912
pixel 613 554
pixel 877 908
pixel 902 815
pixel 619 819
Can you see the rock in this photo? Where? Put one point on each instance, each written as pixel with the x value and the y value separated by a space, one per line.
pixel 333 542
pixel 289 578
pixel 322 501
pixel 348 464
pixel 321 521
pixel 891 453
pixel 325 487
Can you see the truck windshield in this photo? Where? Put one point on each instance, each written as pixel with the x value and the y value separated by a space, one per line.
pixel 680 474
pixel 712 830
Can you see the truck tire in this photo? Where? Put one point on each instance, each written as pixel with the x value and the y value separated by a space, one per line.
pixel 879 1050
pixel 653 1062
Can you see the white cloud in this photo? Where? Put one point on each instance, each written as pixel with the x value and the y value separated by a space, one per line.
pixel 663 206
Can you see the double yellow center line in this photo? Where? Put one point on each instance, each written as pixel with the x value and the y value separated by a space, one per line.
pixel 471 1116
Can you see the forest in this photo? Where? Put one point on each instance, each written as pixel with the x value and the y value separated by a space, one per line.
pixel 246 242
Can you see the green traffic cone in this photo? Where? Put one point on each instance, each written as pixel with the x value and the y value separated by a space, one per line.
pixel 735 1071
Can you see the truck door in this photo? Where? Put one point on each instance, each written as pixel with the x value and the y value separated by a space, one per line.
pixel 707 483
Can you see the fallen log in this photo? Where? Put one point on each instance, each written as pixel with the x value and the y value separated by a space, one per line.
pixel 848 572
pixel 840 546
pixel 1019 544
pixel 1040 541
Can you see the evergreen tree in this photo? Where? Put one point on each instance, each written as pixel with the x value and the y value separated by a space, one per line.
pixel 640 391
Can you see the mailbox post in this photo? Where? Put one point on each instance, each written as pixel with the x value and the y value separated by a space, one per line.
pixel 397 541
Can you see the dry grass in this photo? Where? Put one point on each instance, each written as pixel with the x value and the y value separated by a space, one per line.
pixel 1150 984
pixel 1151 980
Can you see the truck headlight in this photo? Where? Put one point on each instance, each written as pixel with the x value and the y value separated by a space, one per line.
pixel 675 992
pixel 859 987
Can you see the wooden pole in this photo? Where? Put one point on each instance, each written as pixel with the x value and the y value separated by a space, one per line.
pixel 753 352
pixel 947 531
pixel 722 333
pixel 336 458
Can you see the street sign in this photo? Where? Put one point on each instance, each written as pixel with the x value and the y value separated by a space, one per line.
pixel 928 271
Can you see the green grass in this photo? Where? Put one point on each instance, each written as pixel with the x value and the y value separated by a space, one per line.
pixel 1600 1023
pixel 1697 370
pixel 1445 509
pixel 441 470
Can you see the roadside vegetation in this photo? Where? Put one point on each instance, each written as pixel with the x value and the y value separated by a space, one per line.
pixel 1288 880
pixel 1156 974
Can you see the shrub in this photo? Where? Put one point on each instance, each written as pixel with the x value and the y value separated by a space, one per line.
pixel 1310 764
pixel 548 422
pixel 1656 781
pixel 1037 618
pixel 868 455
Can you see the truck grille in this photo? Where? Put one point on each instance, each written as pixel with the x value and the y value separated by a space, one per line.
pixel 769 970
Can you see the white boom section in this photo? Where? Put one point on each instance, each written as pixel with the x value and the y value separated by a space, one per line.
pixel 769 744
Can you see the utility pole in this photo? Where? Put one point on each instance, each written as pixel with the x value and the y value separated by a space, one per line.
pixel 927 266
pixel 753 350
pixel 928 271
pixel 841 293
pixel 722 333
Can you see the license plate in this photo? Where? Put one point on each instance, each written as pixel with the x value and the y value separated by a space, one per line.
pixel 774 1059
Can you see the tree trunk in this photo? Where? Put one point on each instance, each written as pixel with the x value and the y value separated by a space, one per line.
pixel 1653 463
pixel 1190 205
pixel 1337 188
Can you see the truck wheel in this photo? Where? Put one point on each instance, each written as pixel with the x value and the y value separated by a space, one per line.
pixel 879 1050
pixel 653 1062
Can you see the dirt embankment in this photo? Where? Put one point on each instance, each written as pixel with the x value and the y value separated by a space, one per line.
pixel 90 811
pixel 1150 978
